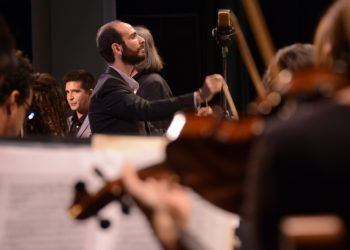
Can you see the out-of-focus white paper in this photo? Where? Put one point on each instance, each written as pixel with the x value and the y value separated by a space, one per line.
pixel 37 186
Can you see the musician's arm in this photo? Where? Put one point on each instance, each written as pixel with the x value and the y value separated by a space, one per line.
pixel 166 205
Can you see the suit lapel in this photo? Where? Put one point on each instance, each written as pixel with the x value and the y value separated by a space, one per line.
pixel 84 130
pixel 70 118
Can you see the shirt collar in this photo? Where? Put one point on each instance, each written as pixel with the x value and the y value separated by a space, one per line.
pixel 78 121
pixel 133 84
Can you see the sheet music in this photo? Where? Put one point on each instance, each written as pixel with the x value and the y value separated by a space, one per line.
pixel 36 188
pixel 212 226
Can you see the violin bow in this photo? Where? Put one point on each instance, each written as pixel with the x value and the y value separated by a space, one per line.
pixel 230 101
pixel 247 57
pixel 261 33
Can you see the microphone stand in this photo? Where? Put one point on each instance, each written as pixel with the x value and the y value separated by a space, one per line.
pixel 224 54
pixel 224 37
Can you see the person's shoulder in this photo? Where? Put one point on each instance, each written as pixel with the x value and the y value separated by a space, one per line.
pixel 111 79
pixel 150 76
pixel 304 120
pixel 152 80
pixel 109 85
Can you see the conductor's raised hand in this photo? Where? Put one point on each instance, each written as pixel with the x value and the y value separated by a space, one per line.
pixel 212 85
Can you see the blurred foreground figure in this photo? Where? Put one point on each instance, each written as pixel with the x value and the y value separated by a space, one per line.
pixel 12 95
pixel 15 96
pixel 166 205
pixel 301 165
pixel 297 56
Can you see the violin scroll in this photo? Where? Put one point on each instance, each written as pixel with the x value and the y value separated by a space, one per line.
pixel 86 205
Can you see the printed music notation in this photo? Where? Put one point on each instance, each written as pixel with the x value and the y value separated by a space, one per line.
pixel 36 188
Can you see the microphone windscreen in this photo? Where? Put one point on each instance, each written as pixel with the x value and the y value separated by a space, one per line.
pixel 224 18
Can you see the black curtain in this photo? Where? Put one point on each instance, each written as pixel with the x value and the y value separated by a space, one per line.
pixel 182 31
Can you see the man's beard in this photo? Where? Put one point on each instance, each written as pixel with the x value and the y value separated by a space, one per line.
pixel 131 57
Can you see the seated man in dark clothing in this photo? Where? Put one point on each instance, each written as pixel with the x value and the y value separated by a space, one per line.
pixel 79 87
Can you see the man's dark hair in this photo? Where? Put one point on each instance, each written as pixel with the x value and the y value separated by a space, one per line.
pixel 86 78
pixel 19 78
pixel 106 36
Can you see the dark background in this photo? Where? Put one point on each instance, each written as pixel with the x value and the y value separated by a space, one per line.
pixel 182 31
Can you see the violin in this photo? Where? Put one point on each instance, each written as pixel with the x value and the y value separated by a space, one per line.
pixel 214 165
pixel 210 156
pixel 305 85
pixel 321 81
pixel 86 205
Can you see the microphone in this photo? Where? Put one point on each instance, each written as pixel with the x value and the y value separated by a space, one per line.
pixel 224 32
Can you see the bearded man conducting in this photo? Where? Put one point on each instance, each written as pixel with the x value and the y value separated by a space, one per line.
pixel 114 107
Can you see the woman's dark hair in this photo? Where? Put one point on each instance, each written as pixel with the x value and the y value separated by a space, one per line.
pixel 48 112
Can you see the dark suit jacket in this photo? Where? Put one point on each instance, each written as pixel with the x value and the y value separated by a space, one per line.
pixel 115 109
pixel 301 167
pixel 154 87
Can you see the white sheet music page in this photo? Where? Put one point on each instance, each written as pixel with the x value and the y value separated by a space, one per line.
pixel 37 186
